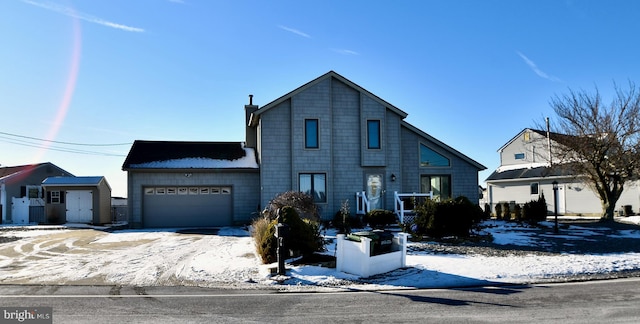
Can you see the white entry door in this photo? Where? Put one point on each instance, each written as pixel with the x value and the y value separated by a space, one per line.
pixel 79 206
pixel 374 191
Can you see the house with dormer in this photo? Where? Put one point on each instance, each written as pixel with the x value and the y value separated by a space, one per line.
pixel 330 138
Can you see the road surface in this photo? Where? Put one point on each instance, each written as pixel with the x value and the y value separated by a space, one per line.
pixel 584 302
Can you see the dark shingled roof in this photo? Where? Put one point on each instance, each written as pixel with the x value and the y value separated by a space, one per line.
pixel 151 151
pixel 524 173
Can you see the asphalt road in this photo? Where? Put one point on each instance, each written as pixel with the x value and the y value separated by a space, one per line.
pixel 608 301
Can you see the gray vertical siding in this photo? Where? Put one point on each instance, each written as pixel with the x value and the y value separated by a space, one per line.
pixel 275 152
pixel 373 110
pixel 346 142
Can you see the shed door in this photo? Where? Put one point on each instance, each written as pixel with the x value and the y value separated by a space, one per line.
pixel 79 206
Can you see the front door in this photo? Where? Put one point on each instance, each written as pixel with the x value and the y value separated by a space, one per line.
pixel 374 191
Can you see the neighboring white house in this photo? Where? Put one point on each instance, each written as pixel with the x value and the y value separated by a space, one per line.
pixel 525 174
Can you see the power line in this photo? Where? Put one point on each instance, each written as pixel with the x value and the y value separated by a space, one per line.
pixel 66 143
pixel 28 141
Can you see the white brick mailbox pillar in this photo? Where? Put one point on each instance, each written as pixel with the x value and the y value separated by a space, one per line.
pixel 355 257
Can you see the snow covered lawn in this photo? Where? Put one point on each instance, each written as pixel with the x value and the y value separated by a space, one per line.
pixel 228 259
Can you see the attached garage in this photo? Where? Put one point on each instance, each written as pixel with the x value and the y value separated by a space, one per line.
pixel 202 206
pixel 191 184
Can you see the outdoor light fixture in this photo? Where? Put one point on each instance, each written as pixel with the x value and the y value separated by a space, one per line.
pixel 555 205
pixel 188 175
pixel 393 177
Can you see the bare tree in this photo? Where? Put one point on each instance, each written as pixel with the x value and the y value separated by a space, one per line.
pixel 600 142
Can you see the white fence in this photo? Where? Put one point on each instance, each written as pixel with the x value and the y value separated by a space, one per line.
pixel 400 201
pixel 362 203
pixel 355 257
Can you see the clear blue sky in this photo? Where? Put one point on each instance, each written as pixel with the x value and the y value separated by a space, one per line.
pixel 470 73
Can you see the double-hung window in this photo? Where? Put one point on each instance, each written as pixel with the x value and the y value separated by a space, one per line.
pixel 311 134
pixel 55 197
pixel 315 185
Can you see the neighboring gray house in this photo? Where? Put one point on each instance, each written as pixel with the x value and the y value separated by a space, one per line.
pixel 524 175
pixel 21 195
pixel 329 138
pixel 77 200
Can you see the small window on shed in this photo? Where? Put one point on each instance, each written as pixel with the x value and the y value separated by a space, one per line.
pixel 55 197
pixel 519 156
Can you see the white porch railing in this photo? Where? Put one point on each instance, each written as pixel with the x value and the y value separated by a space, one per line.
pixel 362 203
pixel 406 215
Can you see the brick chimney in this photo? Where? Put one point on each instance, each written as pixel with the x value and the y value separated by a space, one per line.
pixel 251 137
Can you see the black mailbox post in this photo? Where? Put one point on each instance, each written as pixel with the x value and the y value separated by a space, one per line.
pixel 282 232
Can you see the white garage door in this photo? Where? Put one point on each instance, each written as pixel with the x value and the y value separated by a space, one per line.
pixel 79 206
pixel 187 206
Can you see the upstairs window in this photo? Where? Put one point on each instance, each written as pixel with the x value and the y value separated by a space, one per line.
pixel 431 158
pixel 519 156
pixel 373 134
pixel 311 134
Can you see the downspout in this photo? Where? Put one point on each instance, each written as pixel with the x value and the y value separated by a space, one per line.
pixel 3 199
pixel 549 143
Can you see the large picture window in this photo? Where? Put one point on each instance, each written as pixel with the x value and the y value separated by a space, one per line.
pixel 431 158
pixel 440 185
pixel 311 133
pixel 315 185
pixel 373 134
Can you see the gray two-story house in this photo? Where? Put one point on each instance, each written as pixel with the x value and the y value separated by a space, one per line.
pixel 330 138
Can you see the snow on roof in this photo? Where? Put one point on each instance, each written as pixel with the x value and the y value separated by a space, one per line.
pixel 503 168
pixel 248 161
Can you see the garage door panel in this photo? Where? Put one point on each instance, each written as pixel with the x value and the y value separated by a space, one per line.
pixel 199 209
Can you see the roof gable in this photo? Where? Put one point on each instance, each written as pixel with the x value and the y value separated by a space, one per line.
pixel 330 74
pixel 9 172
pixel 556 137
pixel 189 155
